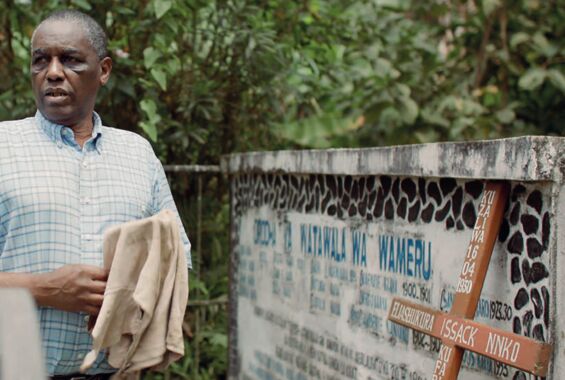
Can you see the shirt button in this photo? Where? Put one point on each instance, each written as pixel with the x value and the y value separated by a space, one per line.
pixel 80 355
pixel 86 201
pixel 84 164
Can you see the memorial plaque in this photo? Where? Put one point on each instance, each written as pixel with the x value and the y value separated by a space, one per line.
pixel 323 241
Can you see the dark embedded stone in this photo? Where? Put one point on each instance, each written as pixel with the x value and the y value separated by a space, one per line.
pixel 460 226
pixel 545 228
pixel 527 323
pixel 362 184
pixel 515 274
pixel 386 181
pixel 515 214
pixel 428 213
pixel 545 296
pixel 469 216
pixel 370 184
pixel 325 201
pixel 536 300
pixel 355 190
pixel 401 209
pixel 369 216
pixel 352 210
pixel 442 214
pixel 321 183
pixel 294 182
pixel 347 183
pixel 447 185
pixel 519 375
pixel 535 201
pixel 433 191
pixel 538 273
pixel 372 199
pixel 517 191
pixel 517 326
pixel 396 189
pixel 526 271
pixel 389 210
pixel 332 210
pixel 521 299
pixel 340 213
pixel 379 206
pixel 345 201
pixel 312 182
pixel 363 206
pixel 409 188
pixel 504 231
pixel 301 202
pixel 422 190
pixel 413 212
pixel 516 243
pixel 530 224
pixel 457 202
pixel 332 185
pixel 537 333
pixel 535 249
pixel 474 188
pixel 339 186
pixel 449 223
pixel 310 204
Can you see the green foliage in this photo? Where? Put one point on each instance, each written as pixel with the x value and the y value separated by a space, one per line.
pixel 202 78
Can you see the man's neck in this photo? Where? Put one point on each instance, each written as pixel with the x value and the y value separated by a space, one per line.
pixel 83 131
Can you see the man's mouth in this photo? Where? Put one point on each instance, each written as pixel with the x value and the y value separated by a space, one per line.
pixel 56 93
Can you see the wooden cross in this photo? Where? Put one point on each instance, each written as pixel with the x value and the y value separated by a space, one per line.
pixel 456 329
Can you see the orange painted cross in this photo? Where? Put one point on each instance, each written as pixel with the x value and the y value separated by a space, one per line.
pixel 456 329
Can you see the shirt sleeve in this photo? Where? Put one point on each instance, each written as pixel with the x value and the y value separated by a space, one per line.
pixel 163 199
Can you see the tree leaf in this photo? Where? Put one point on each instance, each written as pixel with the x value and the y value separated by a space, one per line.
pixel 506 116
pixel 150 129
pixel 557 79
pixel 82 4
pixel 532 79
pixel 150 55
pixel 161 77
pixel 161 7
pixel 490 6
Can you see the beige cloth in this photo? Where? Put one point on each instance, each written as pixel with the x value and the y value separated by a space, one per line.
pixel 140 320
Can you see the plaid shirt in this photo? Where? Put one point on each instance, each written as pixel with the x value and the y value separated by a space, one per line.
pixel 56 201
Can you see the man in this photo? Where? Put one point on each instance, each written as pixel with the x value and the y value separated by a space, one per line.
pixel 64 179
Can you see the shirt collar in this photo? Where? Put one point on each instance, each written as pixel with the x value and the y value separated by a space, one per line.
pixel 55 132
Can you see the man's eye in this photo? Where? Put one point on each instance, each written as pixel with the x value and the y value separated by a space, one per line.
pixel 39 60
pixel 71 60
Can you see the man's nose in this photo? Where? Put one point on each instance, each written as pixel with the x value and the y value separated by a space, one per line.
pixel 55 70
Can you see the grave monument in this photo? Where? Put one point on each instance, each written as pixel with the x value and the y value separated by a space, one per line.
pixel 324 243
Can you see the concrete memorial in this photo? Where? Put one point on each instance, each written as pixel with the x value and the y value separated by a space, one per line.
pixel 20 343
pixel 324 243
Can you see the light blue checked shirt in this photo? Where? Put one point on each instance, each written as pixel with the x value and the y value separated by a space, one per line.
pixel 56 201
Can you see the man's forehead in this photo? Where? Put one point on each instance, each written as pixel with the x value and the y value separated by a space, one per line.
pixel 63 34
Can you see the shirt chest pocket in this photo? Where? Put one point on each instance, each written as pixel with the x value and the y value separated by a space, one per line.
pixel 122 208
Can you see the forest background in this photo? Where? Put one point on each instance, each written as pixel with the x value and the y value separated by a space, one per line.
pixel 205 78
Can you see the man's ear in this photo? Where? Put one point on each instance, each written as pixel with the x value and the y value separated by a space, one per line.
pixel 105 70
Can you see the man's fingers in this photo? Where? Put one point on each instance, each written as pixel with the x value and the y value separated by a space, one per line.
pixel 96 273
pixel 92 310
pixel 98 286
pixel 95 300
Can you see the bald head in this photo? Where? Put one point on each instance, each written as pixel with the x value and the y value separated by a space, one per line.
pixel 92 30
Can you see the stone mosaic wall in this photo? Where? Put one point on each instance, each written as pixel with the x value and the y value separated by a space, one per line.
pixel 524 234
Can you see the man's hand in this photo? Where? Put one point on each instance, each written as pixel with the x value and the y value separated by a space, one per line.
pixel 72 288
